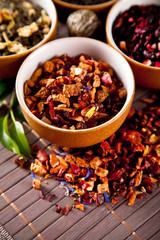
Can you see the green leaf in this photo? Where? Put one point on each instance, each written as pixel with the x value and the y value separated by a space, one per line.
pixel 17 110
pixel 5 138
pixel 17 133
pixel 13 139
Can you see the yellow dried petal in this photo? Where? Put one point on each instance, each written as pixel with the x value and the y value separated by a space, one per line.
pixel 47 176
pixel 7 15
pixel 153 180
pixel 153 139
pixel 90 112
pixel 79 206
pixel 36 183
pixel 79 192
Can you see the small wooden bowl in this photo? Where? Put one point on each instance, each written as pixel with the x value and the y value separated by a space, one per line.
pixel 74 46
pixel 69 7
pixel 145 76
pixel 10 64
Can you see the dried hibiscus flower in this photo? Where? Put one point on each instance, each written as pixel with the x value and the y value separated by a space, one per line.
pixel 127 164
pixel 136 31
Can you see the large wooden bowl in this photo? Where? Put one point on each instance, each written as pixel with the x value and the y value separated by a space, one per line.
pixel 74 46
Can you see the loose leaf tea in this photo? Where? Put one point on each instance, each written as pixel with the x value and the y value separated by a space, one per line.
pixel 74 93
pixel 22 26
pixel 136 32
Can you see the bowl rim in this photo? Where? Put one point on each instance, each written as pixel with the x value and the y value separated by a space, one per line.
pixel 45 39
pixel 76 131
pixel 109 35
pixel 91 7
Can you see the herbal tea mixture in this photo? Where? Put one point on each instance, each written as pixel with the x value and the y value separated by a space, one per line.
pixel 127 164
pixel 22 26
pixel 74 93
pixel 136 31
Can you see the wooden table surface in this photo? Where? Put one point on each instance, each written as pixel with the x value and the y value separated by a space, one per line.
pixel 25 216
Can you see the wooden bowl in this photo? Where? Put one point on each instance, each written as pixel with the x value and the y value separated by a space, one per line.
pixel 74 46
pixel 10 64
pixel 69 7
pixel 145 76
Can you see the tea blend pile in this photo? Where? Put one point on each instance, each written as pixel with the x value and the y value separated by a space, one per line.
pixel 125 165
pixel 136 32
pixel 74 93
pixel 22 26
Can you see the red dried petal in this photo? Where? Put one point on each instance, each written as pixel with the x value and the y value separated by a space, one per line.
pixel 116 174
pixel 75 169
pixel 35 148
pixel 104 148
pixel 132 136
pixel 106 78
pixel 65 210
pixel 50 197
pixel 41 194
pixel 42 155
pixel 58 209
pixel 36 113
pixel 157 64
pixel 115 200
pixel 51 110
pixel 99 199
pixel 85 185
pixel 61 171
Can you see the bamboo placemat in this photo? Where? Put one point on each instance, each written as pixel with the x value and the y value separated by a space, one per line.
pixel 24 215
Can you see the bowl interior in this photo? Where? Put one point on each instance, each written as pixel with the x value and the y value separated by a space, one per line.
pixel 51 11
pixel 119 7
pixel 13 61
pixel 145 76
pixel 74 46
pixel 49 7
